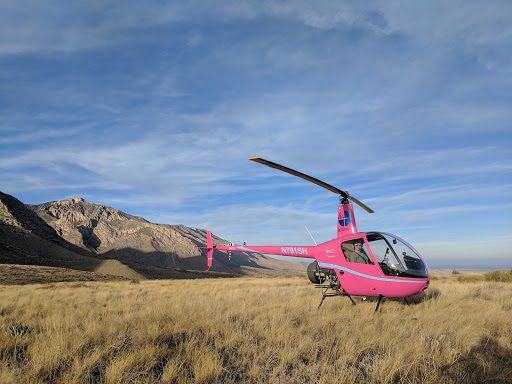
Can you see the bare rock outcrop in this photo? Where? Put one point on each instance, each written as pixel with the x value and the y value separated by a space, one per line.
pixel 114 234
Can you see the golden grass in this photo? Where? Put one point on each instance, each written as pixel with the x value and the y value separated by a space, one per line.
pixel 251 330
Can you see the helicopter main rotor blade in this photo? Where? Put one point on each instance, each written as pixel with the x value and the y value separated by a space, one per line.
pixel 300 174
pixel 311 179
pixel 365 207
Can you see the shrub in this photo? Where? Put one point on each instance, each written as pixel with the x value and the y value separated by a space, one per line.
pixel 499 276
pixel 18 330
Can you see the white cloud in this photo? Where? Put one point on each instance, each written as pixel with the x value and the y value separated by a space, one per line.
pixel 73 26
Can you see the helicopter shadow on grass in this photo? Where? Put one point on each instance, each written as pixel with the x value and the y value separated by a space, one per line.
pixel 430 294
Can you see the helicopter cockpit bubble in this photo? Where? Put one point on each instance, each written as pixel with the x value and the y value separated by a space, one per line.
pixel 395 257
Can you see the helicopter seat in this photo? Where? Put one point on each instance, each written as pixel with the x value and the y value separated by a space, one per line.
pixel 348 248
pixel 411 262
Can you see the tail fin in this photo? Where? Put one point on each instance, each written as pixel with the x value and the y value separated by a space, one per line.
pixel 209 247
pixel 346 220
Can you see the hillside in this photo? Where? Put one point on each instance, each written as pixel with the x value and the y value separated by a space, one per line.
pixel 112 234
pixel 79 235
pixel 26 239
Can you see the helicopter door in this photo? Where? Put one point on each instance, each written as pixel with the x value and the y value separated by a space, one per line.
pixel 359 277
pixel 356 251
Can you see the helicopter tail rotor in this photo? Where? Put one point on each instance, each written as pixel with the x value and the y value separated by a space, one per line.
pixel 209 247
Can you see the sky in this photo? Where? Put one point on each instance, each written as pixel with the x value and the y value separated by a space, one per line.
pixel 154 108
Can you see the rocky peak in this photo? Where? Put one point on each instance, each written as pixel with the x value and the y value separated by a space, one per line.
pixel 115 234
pixel 77 210
pixel 74 200
pixel 20 218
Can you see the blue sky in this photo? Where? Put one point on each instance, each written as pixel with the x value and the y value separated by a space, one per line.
pixel 154 108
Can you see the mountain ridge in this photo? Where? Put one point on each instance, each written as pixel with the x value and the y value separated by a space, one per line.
pixel 26 240
pixel 101 233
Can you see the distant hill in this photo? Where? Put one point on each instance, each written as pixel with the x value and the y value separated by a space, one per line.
pixel 79 235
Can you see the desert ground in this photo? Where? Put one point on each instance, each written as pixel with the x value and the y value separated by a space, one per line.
pixel 254 330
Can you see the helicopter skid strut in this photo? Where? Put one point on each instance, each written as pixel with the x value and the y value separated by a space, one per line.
pixel 381 297
pixel 333 294
pixel 378 302
pixel 337 293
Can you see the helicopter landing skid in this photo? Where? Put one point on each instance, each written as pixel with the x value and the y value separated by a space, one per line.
pixel 378 302
pixel 337 293
pixel 331 294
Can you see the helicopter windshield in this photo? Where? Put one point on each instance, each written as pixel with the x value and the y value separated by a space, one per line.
pixel 396 258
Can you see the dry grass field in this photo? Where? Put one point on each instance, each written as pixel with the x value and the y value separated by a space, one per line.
pixel 253 330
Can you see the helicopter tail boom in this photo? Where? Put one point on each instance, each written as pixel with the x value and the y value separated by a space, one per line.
pixel 289 250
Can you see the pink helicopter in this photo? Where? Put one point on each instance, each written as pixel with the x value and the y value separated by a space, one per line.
pixel 355 263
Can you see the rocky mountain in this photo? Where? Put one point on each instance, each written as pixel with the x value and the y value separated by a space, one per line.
pixel 113 234
pixel 84 236
pixel 26 239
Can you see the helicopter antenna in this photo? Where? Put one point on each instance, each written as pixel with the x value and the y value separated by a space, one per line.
pixel 344 195
pixel 310 235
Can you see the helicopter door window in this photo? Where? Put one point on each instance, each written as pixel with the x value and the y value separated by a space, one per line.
pixel 355 251
pixel 384 254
